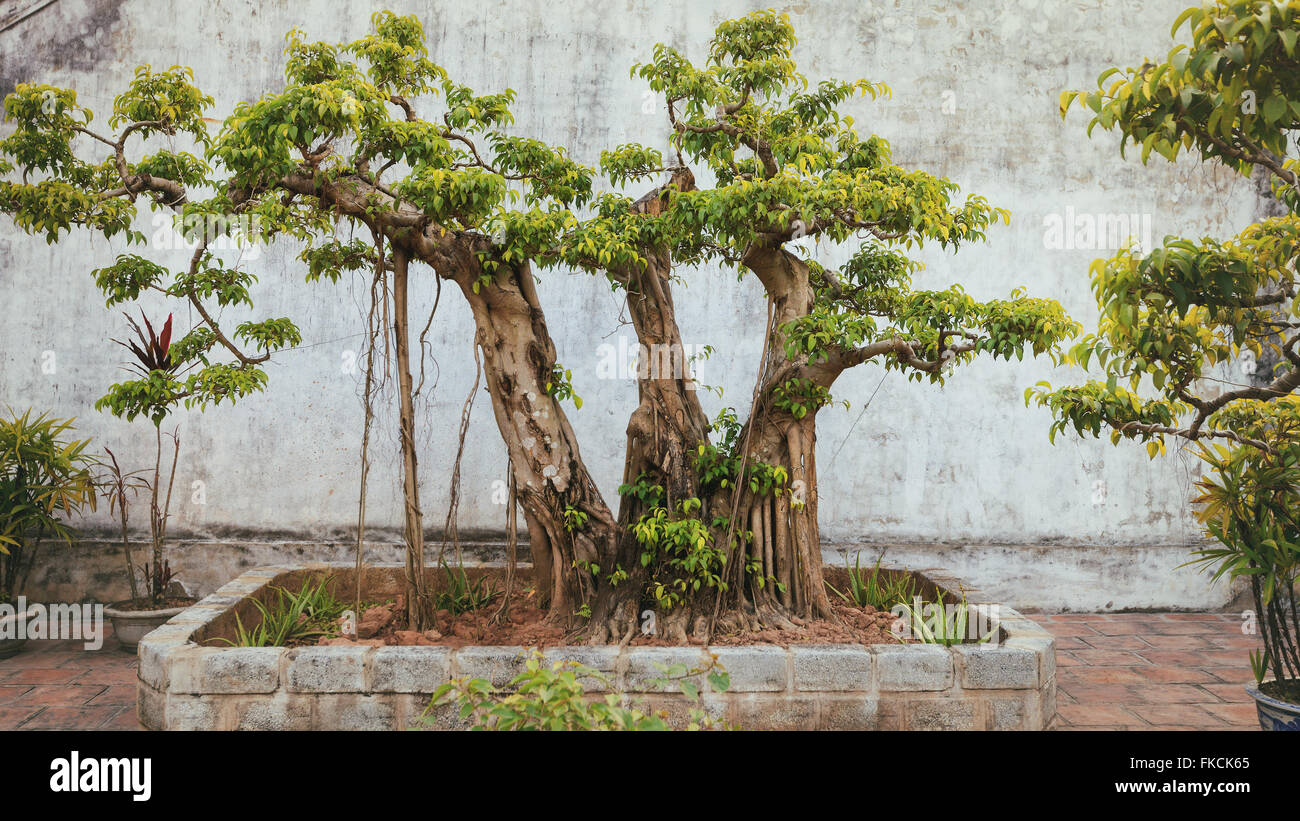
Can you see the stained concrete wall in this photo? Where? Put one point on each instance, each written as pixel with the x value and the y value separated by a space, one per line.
pixel 975 99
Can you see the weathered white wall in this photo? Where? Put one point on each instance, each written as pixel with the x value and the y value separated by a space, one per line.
pixel 975 98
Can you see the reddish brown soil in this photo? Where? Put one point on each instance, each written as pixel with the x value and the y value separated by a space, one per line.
pixel 526 626
pixel 858 625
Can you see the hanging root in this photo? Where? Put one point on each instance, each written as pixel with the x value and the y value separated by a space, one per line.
pixel 450 530
pixel 377 290
pixel 512 546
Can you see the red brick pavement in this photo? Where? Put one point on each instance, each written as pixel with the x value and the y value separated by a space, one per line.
pixel 1115 671
pixel 59 685
pixel 1152 671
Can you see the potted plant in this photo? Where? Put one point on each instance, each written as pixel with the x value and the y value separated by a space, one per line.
pixel 155 396
pixel 45 477
pixel 1251 505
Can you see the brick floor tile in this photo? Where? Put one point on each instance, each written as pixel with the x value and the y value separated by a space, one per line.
pixel 122 678
pixel 9 693
pixel 1238 643
pixel 44 675
pixel 1192 658
pixel 1123 628
pixel 1083 715
pixel 1232 675
pixel 11 717
pixel 70 718
pixel 1242 714
pixel 1181 728
pixel 1070 643
pixel 1074 628
pixel 1173 693
pixel 1116 643
pixel 55 648
pixel 115 694
pixel 1099 693
pixel 1176 675
pixel 1111 658
pixel 124 720
pixel 1186 715
pixel 1158 642
pixel 1186 628
pixel 1235 693
pixel 1068 728
pixel 1104 675
pixel 59 695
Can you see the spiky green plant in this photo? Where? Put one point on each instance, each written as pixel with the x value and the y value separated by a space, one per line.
pixel 871 587
pixel 462 595
pixel 294 617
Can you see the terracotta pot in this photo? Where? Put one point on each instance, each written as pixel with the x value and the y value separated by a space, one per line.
pixel 1274 714
pixel 132 625
pixel 11 647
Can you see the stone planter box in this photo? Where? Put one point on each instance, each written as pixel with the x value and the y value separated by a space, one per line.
pixel 185 685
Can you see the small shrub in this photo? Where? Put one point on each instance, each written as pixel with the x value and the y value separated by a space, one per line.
pixel 553 698
pixel 45 480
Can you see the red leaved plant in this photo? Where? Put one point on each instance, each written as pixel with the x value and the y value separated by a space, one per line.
pixel 154 351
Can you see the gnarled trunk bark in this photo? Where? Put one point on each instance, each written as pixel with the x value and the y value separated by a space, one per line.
pixel 662 435
pixel 786 543
pixel 550 476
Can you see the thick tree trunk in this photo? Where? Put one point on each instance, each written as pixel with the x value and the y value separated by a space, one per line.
pixel 419 606
pixel 662 435
pixel 786 542
pixel 518 358
pixel 776 573
pixel 550 476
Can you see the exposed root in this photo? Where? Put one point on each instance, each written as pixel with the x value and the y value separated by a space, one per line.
pixel 378 294
pixel 512 546
pixel 419 604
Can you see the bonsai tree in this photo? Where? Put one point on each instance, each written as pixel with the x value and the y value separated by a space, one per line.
pixel 1197 338
pixel 45 478
pixel 731 534
pixel 373 159
pixel 294 164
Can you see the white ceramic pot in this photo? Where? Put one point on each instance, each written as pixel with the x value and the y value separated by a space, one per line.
pixel 132 625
